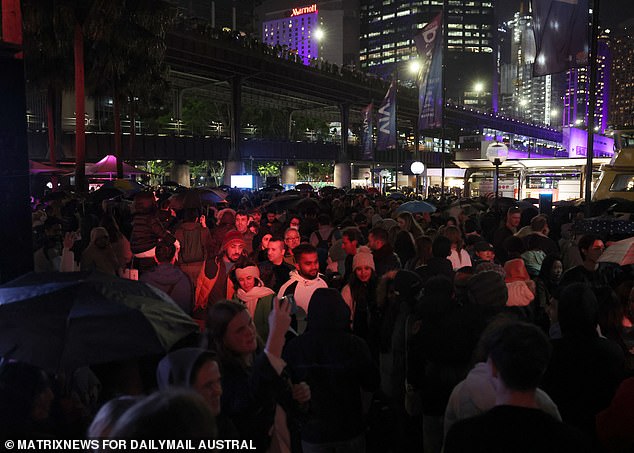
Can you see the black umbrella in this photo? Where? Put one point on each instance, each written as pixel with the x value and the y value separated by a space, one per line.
pixel 61 321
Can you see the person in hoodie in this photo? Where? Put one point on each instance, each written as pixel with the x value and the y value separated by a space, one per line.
pixel 475 395
pixel 304 280
pixel 99 255
pixel 170 279
pixel 521 289
pixel 197 369
pixel 336 365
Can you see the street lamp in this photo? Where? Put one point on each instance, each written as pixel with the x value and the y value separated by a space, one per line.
pixel 385 173
pixel 497 153
pixel 367 176
pixel 417 168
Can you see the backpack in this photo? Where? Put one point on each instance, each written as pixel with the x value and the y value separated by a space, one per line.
pixel 192 250
pixel 324 243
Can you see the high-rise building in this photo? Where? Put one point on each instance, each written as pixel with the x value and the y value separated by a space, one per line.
pixel 389 26
pixel 575 100
pixel 622 84
pixel 327 30
pixel 536 99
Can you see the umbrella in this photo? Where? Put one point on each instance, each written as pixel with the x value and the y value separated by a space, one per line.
pixel 108 167
pixel 416 207
pixel 196 198
pixel 116 188
pixel 61 321
pixel 37 168
pixel 397 196
pixel 283 202
pixel 621 253
pixel 304 187
pixel 605 226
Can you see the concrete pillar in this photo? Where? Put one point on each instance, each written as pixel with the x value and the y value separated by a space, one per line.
pixel 236 113
pixel 289 174
pixel 15 229
pixel 343 175
pixel 232 167
pixel 180 173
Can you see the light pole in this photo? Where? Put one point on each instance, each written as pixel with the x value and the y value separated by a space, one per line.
pixel 497 153
pixel 385 173
pixel 367 176
pixel 417 168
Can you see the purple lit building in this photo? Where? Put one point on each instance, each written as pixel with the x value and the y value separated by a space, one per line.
pixel 326 30
pixel 299 31
pixel 575 112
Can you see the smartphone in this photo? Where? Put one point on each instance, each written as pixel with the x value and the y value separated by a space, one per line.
pixel 290 298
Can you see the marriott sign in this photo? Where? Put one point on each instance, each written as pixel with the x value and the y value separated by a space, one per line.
pixel 304 10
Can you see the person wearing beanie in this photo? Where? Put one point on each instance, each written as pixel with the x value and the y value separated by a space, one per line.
pixel 338 367
pixel 252 293
pixel 360 293
pixel 521 289
pixel 226 223
pixel 218 268
pixel 99 255
pixel 487 289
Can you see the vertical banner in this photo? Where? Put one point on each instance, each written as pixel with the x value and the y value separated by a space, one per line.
pixel 386 135
pixel 561 35
pixel 429 44
pixel 366 115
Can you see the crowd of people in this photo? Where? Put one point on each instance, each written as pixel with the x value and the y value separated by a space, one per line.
pixel 349 326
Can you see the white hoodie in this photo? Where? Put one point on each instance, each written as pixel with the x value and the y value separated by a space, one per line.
pixel 304 289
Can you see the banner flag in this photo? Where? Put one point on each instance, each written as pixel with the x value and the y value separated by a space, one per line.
pixel 386 135
pixel 561 35
pixel 367 132
pixel 429 43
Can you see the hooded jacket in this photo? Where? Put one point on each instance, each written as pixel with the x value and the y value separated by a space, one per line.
pixel 173 282
pixel 336 365
pixel 302 288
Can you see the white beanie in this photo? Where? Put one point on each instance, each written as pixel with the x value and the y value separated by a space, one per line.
pixel 363 258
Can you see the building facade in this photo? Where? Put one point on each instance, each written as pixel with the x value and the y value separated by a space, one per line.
pixel 622 83
pixel 389 26
pixel 535 99
pixel 326 30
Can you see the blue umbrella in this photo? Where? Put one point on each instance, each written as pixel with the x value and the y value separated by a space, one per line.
pixel 416 207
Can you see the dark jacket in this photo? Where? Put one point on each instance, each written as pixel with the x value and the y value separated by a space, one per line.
pixel 173 282
pixel 385 260
pixel 274 276
pixel 336 365
pixel 147 230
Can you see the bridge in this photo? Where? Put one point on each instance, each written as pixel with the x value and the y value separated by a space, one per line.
pixel 228 68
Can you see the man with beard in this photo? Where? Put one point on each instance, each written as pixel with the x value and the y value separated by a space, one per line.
pixel 304 280
pixel 219 267
pixel 242 225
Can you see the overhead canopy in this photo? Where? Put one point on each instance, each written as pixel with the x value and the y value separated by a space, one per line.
pixel 37 168
pixel 108 167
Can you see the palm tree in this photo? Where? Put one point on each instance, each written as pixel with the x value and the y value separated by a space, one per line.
pixel 127 61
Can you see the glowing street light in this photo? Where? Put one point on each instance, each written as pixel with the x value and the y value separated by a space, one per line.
pixel 319 34
pixel 414 66
pixel 417 168
pixel 497 153
pixel 478 87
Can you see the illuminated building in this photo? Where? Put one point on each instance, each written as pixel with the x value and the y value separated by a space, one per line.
pixel 536 99
pixel 622 83
pixel 388 28
pixel 575 111
pixel 327 30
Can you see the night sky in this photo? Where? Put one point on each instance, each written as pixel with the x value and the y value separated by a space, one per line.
pixel 612 11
